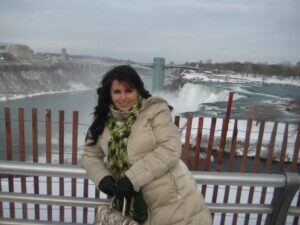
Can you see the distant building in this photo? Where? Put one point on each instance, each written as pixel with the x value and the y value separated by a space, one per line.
pixel 298 64
pixel 3 49
pixel 16 51
pixel 63 54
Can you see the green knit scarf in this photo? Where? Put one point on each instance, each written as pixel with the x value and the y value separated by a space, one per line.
pixel 117 157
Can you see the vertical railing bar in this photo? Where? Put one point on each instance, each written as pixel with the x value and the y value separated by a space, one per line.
pixel 9 157
pixel 74 158
pixel 230 166
pixel 97 191
pixel 177 120
pixel 22 156
pixel 246 146
pixel 283 149
pixel 220 156
pixel 224 133
pixel 209 151
pixel 186 149
pixel 271 149
pixel 258 146
pixel 243 165
pixel 61 132
pixel 256 164
pixel 8 134
pixel 196 165
pixel 222 144
pixel 21 135
pixel 267 168
pixel 293 168
pixel 85 194
pixel 48 158
pixel 296 151
pixel 35 158
pixel 97 195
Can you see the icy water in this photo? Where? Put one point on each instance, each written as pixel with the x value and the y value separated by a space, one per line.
pixel 265 101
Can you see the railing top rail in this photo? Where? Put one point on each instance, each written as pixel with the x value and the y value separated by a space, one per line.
pixel 202 177
pixel 41 169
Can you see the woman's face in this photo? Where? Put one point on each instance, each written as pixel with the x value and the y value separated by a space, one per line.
pixel 123 97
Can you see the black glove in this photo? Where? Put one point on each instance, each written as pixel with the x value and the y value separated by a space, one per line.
pixel 108 185
pixel 124 188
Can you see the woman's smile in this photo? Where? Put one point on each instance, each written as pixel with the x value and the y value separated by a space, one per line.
pixel 122 96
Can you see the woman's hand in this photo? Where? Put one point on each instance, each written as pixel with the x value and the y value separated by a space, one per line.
pixel 124 188
pixel 108 185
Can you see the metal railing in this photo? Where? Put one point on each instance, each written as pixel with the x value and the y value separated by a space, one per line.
pixel 286 185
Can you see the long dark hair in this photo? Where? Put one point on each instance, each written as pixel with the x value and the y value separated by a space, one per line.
pixel 124 74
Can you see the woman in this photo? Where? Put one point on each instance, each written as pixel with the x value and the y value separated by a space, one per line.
pixel 133 150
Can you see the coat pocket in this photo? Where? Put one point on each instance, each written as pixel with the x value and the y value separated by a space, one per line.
pixel 160 192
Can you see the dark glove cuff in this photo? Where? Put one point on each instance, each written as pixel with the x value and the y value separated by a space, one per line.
pixel 107 185
pixel 104 181
pixel 128 182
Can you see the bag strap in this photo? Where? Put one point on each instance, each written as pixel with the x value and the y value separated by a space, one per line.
pixel 124 205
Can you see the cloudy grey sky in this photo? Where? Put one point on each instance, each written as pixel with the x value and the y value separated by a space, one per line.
pixel 179 30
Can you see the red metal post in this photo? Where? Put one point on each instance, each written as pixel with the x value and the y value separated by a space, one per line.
pixel 35 159
pixel 283 148
pixel 74 158
pixel 196 165
pixel 9 157
pixel 222 143
pixel 209 150
pixel 224 132
pixel 255 167
pixel 22 156
pixel 268 168
pixel 243 166
pixel 61 131
pixel 230 165
pixel 48 158
pixel 177 120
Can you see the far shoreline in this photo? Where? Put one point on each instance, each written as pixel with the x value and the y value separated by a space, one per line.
pixel 5 99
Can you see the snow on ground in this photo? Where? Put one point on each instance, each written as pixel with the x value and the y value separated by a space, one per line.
pixel 239 78
pixel 242 126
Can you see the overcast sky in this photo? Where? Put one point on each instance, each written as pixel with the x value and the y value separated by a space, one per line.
pixel 179 30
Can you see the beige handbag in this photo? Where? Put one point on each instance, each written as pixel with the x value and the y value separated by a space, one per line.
pixel 107 214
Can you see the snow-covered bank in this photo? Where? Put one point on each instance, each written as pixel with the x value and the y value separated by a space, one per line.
pixel 25 81
pixel 192 76
pixel 31 80
pixel 76 87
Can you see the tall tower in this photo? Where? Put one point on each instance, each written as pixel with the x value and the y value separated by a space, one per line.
pixel 158 74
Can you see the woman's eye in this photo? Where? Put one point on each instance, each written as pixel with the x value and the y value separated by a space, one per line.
pixel 129 90
pixel 116 91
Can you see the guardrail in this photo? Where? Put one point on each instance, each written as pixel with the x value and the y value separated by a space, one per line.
pixel 209 144
pixel 286 185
